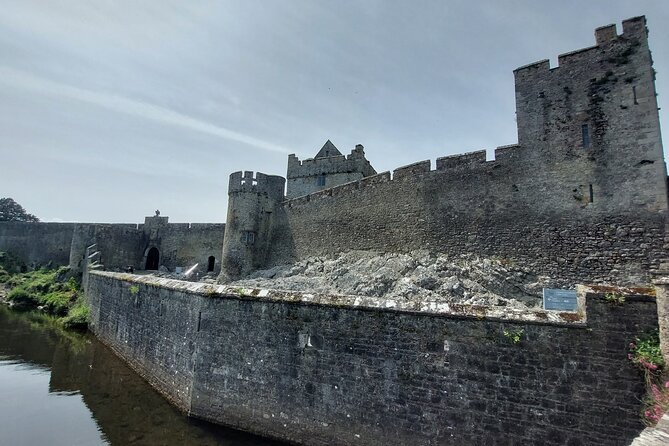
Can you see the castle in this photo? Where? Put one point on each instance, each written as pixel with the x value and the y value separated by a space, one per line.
pixel 581 198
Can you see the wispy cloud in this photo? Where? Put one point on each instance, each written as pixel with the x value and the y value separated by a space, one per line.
pixel 19 79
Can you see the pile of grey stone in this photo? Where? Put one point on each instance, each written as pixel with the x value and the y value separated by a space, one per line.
pixel 420 275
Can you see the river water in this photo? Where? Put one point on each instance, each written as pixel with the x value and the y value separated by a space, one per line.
pixel 64 388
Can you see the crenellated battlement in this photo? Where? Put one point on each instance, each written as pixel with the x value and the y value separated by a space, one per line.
pixel 588 160
pixel 272 185
pixel 634 29
pixel 412 170
pixel 327 169
pixel 470 162
pixel 355 161
pixel 464 160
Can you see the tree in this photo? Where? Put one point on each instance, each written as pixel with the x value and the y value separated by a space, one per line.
pixel 10 210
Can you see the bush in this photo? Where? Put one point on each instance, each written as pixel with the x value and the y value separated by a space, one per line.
pixel 4 275
pixel 77 317
pixel 53 291
pixel 41 288
pixel 645 353
pixel 10 263
pixel 57 302
pixel 22 298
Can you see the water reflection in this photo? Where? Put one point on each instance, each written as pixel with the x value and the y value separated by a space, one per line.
pixel 64 388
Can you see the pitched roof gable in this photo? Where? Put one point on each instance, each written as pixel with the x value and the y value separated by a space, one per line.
pixel 328 149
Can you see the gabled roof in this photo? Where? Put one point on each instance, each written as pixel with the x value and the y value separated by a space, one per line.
pixel 328 149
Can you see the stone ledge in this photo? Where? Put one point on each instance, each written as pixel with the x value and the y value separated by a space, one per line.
pixel 363 303
pixel 654 436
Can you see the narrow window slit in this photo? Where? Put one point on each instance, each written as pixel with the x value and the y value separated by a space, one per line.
pixel 634 93
pixel 585 135
pixel 199 320
pixel 592 195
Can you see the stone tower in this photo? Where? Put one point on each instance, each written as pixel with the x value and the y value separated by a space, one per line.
pixel 329 168
pixel 252 205
pixel 594 120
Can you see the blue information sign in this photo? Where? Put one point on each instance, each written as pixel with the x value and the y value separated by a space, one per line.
pixel 563 300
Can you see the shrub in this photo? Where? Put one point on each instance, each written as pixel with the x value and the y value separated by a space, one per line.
pixel 77 317
pixel 614 298
pixel 515 336
pixel 22 298
pixel 10 263
pixel 656 403
pixel 645 353
pixel 52 291
pixel 4 275
pixel 41 288
pixel 57 302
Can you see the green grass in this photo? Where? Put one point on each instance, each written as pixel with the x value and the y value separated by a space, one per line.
pixel 77 316
pixel 4 275
pixel 50 292
pixel 11 264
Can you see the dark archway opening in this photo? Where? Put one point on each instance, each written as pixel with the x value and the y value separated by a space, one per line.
pixel 153 259
pixel 211 263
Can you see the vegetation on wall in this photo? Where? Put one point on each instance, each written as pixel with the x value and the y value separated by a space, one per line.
pixel 645 353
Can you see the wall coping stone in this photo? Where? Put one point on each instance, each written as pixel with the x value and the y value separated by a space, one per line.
pixel 575 319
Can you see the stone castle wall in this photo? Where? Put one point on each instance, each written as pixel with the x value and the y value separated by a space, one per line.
pixel 120 245
pixel 489 208
pixel 582 197
pixel 37 244
pixel 325 370
pixel 123 245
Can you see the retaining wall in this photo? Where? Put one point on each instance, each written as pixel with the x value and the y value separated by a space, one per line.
pixel 37 244
pixel 323 370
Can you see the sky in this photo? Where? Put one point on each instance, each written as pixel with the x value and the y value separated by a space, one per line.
pixel 110 110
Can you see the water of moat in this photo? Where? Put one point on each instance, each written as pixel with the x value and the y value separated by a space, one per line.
pixel 66 388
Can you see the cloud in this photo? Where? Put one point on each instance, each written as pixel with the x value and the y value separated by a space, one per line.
pixel 131 107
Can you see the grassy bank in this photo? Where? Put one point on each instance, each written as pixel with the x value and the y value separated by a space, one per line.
pixel 51 291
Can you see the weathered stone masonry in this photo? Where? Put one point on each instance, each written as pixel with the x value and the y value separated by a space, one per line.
pixel 119 245
pixel 581 197
pixel 327 169
pixel 37 244
pixel 324 370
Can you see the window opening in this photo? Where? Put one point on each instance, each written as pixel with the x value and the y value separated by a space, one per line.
pixel 210 263
pixel 634 93
pixel 320 180
pixel 249 237
pixel 585 135
pixel 592 195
